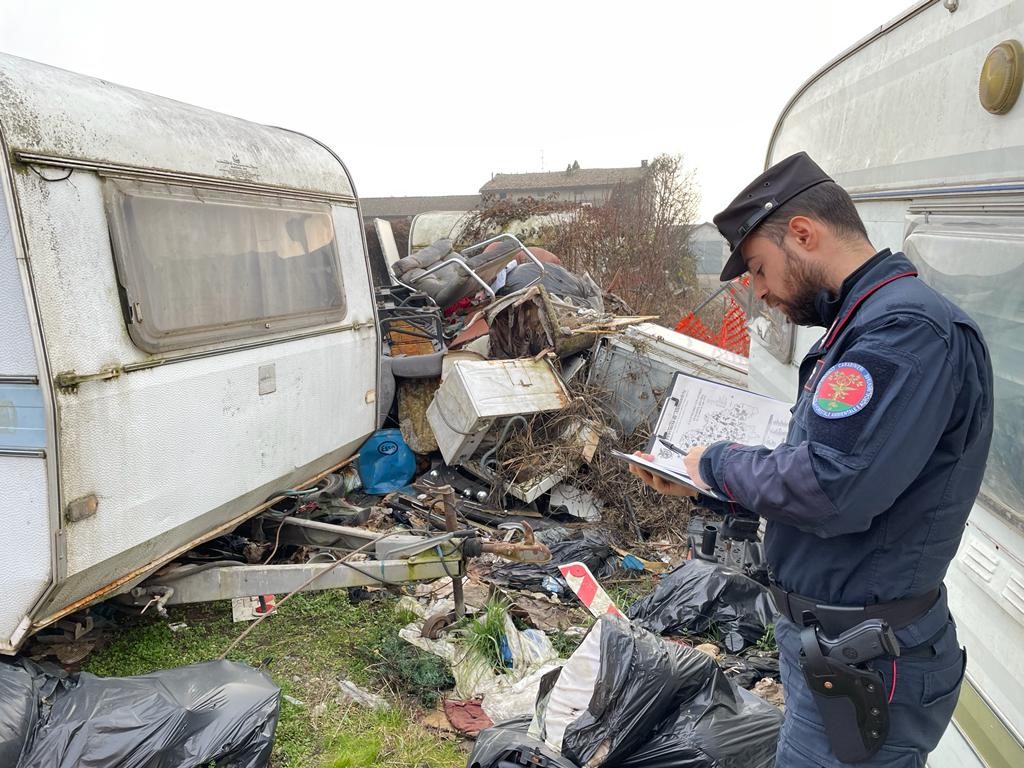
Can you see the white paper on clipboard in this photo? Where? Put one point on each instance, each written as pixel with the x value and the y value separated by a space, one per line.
pixel 675 472
pixel 700 412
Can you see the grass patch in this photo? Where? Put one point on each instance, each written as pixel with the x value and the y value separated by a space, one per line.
pixel 315 639
pixel 485 634
pixel 565 645
pixel 388 739
pixel 627 590
pixel 767 642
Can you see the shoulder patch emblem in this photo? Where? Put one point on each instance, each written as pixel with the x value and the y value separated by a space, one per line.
pixel 843 391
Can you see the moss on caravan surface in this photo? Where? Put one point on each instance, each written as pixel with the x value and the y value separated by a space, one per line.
pixel 316 639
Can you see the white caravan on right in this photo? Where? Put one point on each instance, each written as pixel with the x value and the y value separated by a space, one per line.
pixel 919 121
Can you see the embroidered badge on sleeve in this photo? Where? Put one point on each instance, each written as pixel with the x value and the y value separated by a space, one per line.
pixel 843 391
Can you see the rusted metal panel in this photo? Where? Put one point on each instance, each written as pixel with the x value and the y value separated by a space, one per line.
pixel 530 322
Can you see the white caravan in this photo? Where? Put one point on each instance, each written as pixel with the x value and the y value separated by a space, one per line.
pixel 187 325
pixel 899 120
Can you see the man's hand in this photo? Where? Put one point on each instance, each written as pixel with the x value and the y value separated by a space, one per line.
pixel 692 463
pixel 658 483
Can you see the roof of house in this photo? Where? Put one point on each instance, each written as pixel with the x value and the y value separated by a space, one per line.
pixel 706 231
pixel 384 207
pixel 578 177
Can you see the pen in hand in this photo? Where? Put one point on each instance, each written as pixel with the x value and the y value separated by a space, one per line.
pixel 671 447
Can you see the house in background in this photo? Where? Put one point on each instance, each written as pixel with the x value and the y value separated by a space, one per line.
pixel 710 249
pixel 573 185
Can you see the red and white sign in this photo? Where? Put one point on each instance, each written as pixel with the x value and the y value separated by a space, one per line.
pixel 591 594
pixel 250 608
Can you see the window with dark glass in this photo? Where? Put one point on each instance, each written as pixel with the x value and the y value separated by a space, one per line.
pixel 200 266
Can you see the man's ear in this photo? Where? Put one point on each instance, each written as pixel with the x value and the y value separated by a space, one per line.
pixel 806 232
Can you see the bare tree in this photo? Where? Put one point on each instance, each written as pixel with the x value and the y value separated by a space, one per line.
pixel 637 245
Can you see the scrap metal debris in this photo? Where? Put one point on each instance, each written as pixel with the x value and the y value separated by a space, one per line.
pixel 495 467
pixel 525 427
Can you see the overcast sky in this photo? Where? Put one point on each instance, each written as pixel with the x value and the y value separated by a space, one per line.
pixel 431 98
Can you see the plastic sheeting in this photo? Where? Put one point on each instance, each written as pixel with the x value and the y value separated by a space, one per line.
pixel 699 596
pixel 587 546
pixel 632 722
pixel 219 712
pixel 558 281
pixel 475 677
pixel 569 693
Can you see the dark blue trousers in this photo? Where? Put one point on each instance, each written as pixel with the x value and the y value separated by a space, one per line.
pixel 924 694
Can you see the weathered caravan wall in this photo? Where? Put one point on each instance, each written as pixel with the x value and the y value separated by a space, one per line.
pixel 166 412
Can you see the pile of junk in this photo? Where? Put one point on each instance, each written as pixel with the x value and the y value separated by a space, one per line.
pixel 511 381
pixel 492 494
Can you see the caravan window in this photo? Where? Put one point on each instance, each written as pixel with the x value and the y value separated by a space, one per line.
pixel 200 266
pixel 978 262
pixel 768 326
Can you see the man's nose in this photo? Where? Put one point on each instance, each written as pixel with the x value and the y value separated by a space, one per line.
pixel 760 289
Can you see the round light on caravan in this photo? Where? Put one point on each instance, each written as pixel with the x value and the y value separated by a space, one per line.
pixel 1001 77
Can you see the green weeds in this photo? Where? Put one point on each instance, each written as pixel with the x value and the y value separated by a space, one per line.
pixel 313 641
pixel 767 642
pixel 486 633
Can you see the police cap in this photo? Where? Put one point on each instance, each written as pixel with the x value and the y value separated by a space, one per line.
pixel 761 198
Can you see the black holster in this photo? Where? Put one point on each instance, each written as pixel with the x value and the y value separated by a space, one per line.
pixel 852 701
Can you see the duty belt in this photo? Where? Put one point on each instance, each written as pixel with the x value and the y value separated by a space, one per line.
pixel 835 619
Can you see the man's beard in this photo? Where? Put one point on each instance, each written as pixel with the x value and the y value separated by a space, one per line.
pixel 805 281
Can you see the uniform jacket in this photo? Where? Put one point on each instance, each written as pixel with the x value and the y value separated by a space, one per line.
pixel 867 499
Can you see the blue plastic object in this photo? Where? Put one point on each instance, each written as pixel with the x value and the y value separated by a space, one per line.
pixel 632 563
pixel 506 652
pixel 385 462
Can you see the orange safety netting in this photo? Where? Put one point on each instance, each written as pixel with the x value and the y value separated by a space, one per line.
pixel 731 335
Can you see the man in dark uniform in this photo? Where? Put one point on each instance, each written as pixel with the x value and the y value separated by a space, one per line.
pixel 867 499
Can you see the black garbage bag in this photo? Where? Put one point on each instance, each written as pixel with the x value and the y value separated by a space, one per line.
pixel 745 671
pixel 508 745
pixel 220 712
pixel 699 596
pixel 17 712
pixel 640 679
pixel 721 727
pixel 586 545
pixel 711 724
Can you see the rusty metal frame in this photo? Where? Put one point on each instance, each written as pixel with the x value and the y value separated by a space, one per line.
pixel 229 582
pixel 137 574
